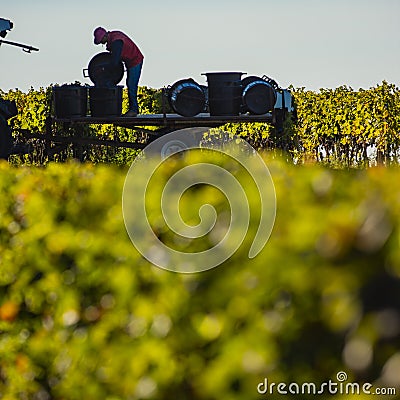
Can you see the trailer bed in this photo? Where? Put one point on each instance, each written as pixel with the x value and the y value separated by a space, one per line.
pixel 62 132
pixel 168 120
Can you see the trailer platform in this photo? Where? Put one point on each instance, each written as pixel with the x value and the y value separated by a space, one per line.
pixel 168 120
pixel 62 132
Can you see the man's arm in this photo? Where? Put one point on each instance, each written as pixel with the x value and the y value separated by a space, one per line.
pixel 116 50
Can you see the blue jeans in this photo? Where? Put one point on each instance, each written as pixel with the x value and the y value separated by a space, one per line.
pixel 132 82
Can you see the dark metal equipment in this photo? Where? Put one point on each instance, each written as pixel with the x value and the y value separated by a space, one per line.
pixel 5 26
pixel 186 97
pixel 105 97
pixel 25 47
pixel 102 73
pixel 224 92
pixel 70 101
pixel 105 101
pixel 8 109
pixel 258 95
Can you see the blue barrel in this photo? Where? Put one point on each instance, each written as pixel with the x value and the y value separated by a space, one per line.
pixel 186 97
pixel 258 95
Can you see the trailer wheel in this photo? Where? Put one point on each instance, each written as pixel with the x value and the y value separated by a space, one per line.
pixel 6 140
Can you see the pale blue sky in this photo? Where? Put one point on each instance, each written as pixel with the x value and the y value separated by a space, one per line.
pixel 311 43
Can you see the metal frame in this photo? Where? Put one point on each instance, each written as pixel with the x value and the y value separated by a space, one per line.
pixel 166 120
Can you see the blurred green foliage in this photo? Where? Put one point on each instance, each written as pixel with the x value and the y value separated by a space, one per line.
pixel 84 316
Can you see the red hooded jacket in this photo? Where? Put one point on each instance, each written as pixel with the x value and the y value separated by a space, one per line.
pixel 130 55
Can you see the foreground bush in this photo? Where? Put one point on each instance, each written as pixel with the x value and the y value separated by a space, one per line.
pixel 84 316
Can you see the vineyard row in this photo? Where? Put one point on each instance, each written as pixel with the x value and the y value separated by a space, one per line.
pixel 339 126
